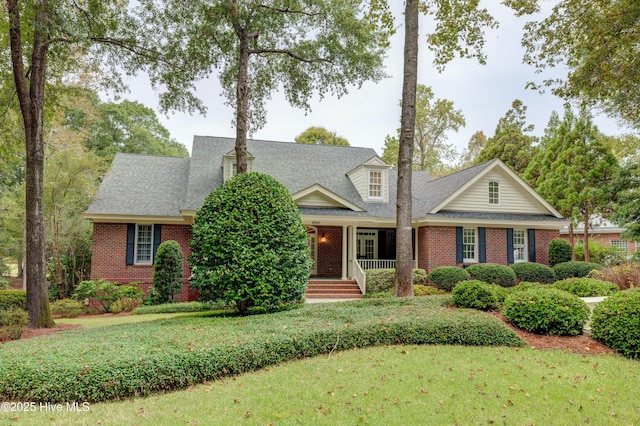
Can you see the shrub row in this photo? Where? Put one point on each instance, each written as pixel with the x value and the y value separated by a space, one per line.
pixel 493 273
pixel 534 272
pixel 586 287
pixel 476 294
pixel 172 354
pixel 574 269
pixel 384 279
pixel 12 299
pixel 170 308
pixel 616 322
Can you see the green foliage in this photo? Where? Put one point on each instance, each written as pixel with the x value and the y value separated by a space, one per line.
pixel 574 269
pixel 10 299
pixel 527 285
pixel 476 294
pixel 626 212
pixel 67 308
pixel 249 246
pixel 559 251
pixel 625 276
pixel 599 253
pixel 320 136
pixel 493 273
pixel 586 287
pixel 14 322
pixel 125 304
pixel 446 277
pixel 382 280
pixel 536 272
pixel 4 283
pixel 105 293
pixel 616 322
pixel 169 308
pixel 546 311
pixel 167 271
pixel 426 290
pixel 159 356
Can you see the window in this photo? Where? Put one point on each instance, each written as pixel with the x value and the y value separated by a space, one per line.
pixel 375 184
pixel 494 192
pixel 519 245
pixel 144 243
pixel 469 244
pixel 623 246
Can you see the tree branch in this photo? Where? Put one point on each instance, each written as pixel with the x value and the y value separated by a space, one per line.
pixel 287 10
pixel 289 53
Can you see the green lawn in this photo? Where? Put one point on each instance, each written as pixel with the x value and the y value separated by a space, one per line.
pixel 393 385
pixel 98 321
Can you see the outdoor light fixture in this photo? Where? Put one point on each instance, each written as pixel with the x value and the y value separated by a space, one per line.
pixel 323 238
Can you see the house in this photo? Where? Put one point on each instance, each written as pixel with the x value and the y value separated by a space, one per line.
pixel 347 198
pixel 603 232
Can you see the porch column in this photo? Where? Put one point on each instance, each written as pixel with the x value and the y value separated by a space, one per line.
pixel 415 256
pixel 345 254
pixel 351 250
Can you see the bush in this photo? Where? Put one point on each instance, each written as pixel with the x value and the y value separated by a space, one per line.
pixel 476 294
pixel 574 269
pixel 493 273
pixel 4 283
pixel 446 277
pixel 599 253
pixel 170 308
pixel 167 271
pixel 10 299
pixel 527 285
pixel 586 287
pixel 105 293
pixel 625 276
pixel 67 308
pixel 125 304
pixel 14 321
pixel 382 280
pixel 249 246
pixel 559 251
pixel 546 311
pixel 616 322
pixel 534 272
pixel 426 290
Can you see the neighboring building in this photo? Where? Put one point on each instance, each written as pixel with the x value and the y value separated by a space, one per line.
pixel 347 198
pixel 603 232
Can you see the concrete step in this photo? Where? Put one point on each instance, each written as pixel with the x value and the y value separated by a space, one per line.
pixel 333 289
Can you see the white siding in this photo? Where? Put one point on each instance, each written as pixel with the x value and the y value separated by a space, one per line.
pixel 513 197
pixel 316 199
pixel 360 179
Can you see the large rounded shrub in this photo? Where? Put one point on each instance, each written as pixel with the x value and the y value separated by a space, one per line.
pixel 559 251
pixel 546 311
pixel 574 269
pixel 534 272
pixel 616 322
pixel 476 294
pixel 446 277
pixel 493 273
pixel 586 287
pixel 249 246
pixel 167 271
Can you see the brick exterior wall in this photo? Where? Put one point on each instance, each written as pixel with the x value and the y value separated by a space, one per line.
pixel 606 238
pixel 330 252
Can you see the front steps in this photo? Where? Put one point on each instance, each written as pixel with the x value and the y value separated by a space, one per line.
pixel 333 289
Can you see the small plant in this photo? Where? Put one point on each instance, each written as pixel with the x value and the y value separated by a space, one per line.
pixel 105 293
pixel 426 290
pixel 625 276
pixel 546 311
pixel 446 277
pixel 14 321
pixel 559 251
pixel 616 322
pixel 67 308
pixel 574 269
pixel 125 304
pixel 586 287
pixel 167 271
pixel 534 272
pixel 493 273
pixel 476 294
pixel 12 299
pixel 599 253
pixel 381 280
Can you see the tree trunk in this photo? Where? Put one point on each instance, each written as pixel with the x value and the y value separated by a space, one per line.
pixel 572 241
pixel 242 100
pixel 31 99
pixel 587 256
pixel 404 246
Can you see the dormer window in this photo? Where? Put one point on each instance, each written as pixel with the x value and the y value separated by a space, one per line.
pixel 375 184
pixel 494 193
pixel 230 165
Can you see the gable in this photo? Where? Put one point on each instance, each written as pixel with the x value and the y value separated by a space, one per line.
pixel 318 196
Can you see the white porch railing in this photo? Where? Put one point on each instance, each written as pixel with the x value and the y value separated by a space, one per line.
pixel 380 263
pixel 360 277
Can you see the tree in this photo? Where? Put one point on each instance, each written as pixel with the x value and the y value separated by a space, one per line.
pixel 302 47
pixel 475 145
pixel 167 271
pixel 249 246
pixel 510 143
pixel 596 41
pixel 320 136
pixel 434 118
pixel 626 212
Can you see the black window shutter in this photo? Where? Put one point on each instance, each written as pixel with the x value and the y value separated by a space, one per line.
pixel 131 242
pixel 459 253
pixel 532 244
pixel 482 237
pixel 509 245
pixel 157 234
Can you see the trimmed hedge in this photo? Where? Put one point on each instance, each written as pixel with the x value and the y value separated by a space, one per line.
pixel 476 294
pixel 586 287
pixel 170 308
pixel 67 308
pixel 534 272
pixel 146 358
pixel 575 269
pixel 559 251
pixel 379 280
pixel 616 322
pixel 493 273
pixel 10 299
pixel 446 277
pixel 546 311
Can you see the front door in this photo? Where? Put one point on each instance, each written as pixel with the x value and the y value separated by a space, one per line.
pixel 312 233
pixel 367 244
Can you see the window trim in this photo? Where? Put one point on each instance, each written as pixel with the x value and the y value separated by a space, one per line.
pixel 370 184
pixel 493 195
pixel 525 246
pixel 136 260
pixel 475 245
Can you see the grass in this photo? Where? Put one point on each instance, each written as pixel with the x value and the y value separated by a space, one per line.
pixel 93 322
pixel 408 385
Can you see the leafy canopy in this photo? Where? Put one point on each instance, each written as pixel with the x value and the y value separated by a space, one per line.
pixel 321 136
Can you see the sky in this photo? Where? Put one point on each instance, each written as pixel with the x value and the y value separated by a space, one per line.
pixel 368 114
